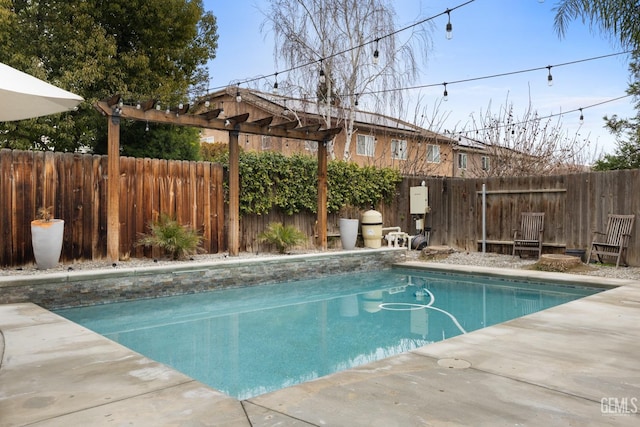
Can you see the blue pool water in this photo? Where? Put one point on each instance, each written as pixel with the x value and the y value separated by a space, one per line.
pixel 249 341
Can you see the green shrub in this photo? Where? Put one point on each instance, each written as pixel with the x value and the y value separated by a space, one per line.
pixel 271 180
pixel 282 236
pixel 178 241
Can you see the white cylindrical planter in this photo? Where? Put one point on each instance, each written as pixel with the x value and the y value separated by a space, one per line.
pixel 46 239
pixel 348 233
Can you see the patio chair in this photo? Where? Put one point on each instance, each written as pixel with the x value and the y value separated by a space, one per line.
pixel 614 242
pixel 529 238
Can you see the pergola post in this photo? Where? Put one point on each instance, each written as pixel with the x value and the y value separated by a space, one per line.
pixel 234 195
pixel 322 195
pixel 113 188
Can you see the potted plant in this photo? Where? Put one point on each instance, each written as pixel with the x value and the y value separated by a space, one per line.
pixel 348 223
pixel 46 238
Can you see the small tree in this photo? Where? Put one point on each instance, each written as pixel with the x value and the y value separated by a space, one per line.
pixel 338 39
pixel 527 145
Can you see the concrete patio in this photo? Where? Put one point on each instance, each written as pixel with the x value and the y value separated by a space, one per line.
pixel 576 364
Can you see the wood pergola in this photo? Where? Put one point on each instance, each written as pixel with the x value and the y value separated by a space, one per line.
pixel 114 109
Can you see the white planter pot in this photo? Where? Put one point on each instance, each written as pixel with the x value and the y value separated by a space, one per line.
pixel 348 232
pixel 46 239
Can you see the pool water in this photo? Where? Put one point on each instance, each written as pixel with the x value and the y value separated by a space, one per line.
pixel 252 340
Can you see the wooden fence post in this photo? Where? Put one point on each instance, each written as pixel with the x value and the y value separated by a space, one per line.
pixel 113 188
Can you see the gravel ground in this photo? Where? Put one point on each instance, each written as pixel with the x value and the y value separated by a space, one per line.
pixel 461 258
pixel 508 261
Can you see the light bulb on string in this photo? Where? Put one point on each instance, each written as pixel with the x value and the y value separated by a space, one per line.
pixel 376 54
pixel 581 116
pixel 207 103
pixel 138 106
pixel 275 84
pixel 549 77
pixel 158 107
pixel 238 96
pixel 146 129
pixel 449 27
pixel 445 94
pixel 322 77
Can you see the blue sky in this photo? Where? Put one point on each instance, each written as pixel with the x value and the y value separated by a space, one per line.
pixel 489 37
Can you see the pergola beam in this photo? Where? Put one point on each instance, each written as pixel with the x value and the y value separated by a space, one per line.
pixel 208 120
pixel 200 121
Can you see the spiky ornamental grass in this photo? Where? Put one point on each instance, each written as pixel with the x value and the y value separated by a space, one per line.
pixel 282 236
pixel 178 241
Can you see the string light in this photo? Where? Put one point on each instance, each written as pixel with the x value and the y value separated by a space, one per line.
pixel 146 129
pixel 158 107
pixel 449 28
pixel 581 116
pixel 445 94
pixel 549 77
pixel 275 85
pixel 207 103
pixel 376 54
pixel 138 106
pixel 238 96
pixel 407 27
pixel 549 116
pixel 322 77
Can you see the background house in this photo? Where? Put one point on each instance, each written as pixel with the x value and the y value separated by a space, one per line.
pixel 377 139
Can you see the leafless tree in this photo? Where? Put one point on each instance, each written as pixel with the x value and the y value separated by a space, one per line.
pixel 355 45
pixel 526 145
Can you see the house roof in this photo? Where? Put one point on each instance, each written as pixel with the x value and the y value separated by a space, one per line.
pixel 279 105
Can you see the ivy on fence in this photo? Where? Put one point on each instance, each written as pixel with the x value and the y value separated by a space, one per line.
pixel 272 180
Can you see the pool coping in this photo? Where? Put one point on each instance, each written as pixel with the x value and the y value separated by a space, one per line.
pixel 55 372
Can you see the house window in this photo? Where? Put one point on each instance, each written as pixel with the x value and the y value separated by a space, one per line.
pixel 485 163
pixel 266 142
pixel 433 153
pixel 399 149
pixel 365 145
pixel 462 160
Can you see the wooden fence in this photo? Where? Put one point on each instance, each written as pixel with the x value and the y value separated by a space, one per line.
pixel 575 205
pixel 75 185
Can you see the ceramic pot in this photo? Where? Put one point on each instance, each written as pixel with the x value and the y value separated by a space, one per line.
pixel 348 233
pixel 46 239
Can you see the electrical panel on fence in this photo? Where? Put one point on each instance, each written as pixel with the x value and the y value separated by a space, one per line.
pixel 419 200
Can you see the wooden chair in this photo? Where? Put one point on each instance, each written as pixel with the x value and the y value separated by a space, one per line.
pixel 529 237
pixel 615 241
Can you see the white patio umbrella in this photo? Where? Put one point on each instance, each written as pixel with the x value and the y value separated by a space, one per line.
pixel 23 96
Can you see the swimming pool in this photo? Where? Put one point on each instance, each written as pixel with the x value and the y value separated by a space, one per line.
pixel 249 341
